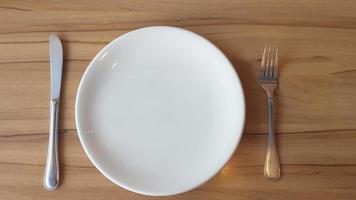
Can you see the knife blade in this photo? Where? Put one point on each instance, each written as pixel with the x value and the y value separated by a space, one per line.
pixel 51 175
pixel 56 62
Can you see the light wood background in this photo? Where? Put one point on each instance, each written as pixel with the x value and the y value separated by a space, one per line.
pixel 316 119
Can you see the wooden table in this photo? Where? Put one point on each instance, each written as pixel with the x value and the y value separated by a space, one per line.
pixel 316 119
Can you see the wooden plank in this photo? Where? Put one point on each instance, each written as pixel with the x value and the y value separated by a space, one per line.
pixel 28 16
pixel 299 182
pixel 314 165
pixel 310 148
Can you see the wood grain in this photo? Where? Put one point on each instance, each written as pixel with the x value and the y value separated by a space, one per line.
pixel 316 120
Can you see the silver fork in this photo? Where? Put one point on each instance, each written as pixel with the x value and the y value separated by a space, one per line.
pixel 269 82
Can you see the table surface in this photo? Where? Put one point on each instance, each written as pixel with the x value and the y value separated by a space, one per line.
pixel 316 117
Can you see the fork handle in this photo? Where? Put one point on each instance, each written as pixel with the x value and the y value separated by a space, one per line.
pixel 272 168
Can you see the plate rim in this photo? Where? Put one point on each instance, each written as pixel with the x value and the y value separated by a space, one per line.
pixel 121 184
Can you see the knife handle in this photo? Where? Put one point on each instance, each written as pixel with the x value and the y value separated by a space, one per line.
pixel 51 176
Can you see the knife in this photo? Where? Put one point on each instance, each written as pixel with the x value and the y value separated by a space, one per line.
pixel 51 175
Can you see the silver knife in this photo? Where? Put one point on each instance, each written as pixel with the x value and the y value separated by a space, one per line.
pixel 51 175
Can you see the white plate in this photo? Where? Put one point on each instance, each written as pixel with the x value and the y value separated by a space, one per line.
pixel 160 110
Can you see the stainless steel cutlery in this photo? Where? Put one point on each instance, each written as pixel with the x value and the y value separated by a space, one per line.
pixel 269 82
pixel 51 175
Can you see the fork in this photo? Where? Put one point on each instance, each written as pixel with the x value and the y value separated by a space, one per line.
pixel 269 82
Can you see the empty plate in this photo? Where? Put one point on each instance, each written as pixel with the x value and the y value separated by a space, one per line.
pixel 160 110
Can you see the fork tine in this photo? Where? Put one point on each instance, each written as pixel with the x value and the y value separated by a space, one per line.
pixel 275 71
pixel 263 62
pixel 269 62
pixel 272 59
